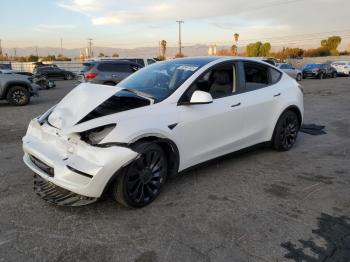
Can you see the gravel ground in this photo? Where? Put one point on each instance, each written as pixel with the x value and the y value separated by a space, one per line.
pixel 259 205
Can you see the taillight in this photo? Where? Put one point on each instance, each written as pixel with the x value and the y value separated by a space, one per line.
pixel 90 75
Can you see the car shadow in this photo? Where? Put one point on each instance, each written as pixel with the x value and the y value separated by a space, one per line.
pixel 334 234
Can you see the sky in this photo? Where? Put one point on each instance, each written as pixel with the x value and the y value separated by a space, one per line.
pixel 138 23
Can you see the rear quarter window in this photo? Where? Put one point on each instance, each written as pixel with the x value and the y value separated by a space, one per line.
pixel 275 75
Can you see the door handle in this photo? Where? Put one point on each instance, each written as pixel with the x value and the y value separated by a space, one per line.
pixel 238 104
pixel 276 95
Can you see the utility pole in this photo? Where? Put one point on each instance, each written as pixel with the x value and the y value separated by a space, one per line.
pixel 15 52
pixel 61 47
pixel 36 51
pixel 180 45
pixel 90 47
pixel 0 48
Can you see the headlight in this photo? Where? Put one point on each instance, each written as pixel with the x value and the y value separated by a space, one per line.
pixel 43 118
pixel 96 135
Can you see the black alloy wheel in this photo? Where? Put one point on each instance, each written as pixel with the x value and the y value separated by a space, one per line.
pixel 141 181
pixel 299 77
pixel 286 131
pixel 18 95
pixel 68 77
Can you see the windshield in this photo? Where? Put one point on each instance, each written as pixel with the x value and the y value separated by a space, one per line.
pixel 312 66
pixel 161 79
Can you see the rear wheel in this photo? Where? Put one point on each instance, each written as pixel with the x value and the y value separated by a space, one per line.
pixel 286 131
pixel 18 96
pixel 141 181
pixel 299 77
pixel 334 75
pixel 68 77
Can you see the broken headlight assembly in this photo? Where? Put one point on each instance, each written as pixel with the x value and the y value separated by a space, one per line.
pixel 43 118
pixel 96 135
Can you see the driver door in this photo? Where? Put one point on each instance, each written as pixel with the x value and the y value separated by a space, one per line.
pixel 211 130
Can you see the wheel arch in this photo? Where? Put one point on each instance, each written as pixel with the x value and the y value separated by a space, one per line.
pixel 15 83
pixel 292 108
pixel 170 148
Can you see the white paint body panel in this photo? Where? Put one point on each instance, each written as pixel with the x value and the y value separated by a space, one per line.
pixel 203 131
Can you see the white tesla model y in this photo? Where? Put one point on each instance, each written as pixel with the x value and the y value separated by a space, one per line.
pixel 159 121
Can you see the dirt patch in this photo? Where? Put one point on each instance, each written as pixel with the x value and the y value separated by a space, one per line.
pixel 278 190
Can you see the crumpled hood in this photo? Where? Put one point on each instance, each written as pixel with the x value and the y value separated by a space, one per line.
pixel 78 103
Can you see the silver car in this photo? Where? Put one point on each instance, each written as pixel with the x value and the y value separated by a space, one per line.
pixel 291 71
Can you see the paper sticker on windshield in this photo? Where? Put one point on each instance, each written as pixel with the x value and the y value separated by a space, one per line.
pixel 188 67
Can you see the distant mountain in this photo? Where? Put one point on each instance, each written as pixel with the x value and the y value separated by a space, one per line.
pixel 195 50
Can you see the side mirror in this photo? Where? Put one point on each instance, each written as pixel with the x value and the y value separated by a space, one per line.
pixel 201 97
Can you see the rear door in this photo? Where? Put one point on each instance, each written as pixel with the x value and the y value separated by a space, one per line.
pixel 260 98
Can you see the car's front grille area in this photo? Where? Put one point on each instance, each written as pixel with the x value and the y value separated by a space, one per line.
pixel 58 195
pixel 44 167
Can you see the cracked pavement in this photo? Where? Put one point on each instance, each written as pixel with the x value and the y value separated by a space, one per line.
pixel 258 205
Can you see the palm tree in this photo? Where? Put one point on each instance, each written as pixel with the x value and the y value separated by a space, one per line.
pixel 236 38
pixel 234 50
pixel 163 47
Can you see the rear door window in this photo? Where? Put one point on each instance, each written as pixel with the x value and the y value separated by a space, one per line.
pixel 256 76
pixel 259 76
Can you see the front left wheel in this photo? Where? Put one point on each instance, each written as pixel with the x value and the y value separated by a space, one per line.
pixel 286 131
pixel 18 96
pixel 141 181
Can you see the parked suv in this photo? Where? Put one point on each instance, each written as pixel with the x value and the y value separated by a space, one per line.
pixel 342 67
pixel 107 72
pixel 53 72
pixel 17 89
pixel 319 71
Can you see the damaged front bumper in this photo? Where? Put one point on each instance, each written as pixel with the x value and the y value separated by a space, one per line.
pixel 69 163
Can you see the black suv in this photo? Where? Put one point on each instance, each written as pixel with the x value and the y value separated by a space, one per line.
pixel 319 71
pixel 53 72
pixel 107 72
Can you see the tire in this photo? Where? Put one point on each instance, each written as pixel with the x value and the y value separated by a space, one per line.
pixel 299 77
pixel 68 77
pixel 18 96
pixel 334 75
pixel 110 83
pixel 286 131
pixel 141 181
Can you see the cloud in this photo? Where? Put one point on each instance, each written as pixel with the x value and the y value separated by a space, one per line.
pixel 82 6
pixel 105 20
pixel 49 28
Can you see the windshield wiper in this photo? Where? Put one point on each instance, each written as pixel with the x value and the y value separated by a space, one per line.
pixel 141 94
